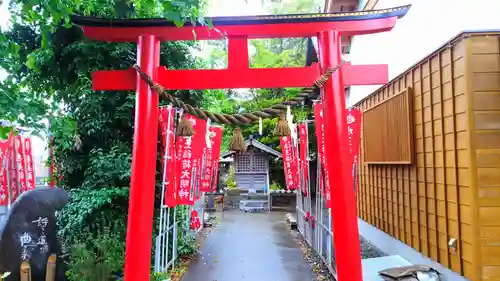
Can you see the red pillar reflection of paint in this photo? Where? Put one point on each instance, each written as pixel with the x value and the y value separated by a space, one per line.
pixel 344 213
pixel 142 183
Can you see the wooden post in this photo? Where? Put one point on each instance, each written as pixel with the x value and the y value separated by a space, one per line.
pixel 50 273
pixel 25 271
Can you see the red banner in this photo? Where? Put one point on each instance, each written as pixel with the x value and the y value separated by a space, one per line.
pixel 206 175
pixel 14 186
pixel 189 154
pixel 167 135
pixel 4 184
pixel 295 158
pixel 354 137
pixel 184 171
pixel 199 143
pixel 303 154
pixel 320 136
pixel 30 171
pixel 163 119
pixel 21 164
pixel 288 162
pixel 52 169
pixel 216 149
pixel 353 132
pixel 16 168
pixel 211 155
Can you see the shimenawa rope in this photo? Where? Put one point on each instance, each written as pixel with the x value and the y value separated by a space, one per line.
pixel 244 118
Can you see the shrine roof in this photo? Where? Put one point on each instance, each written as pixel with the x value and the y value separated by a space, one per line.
pixel 249 20
pixel 257 144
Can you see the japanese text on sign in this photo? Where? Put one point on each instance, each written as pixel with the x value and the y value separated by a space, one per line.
pixel 286 147
pixel 304 162
pixel 4 184
pixel 216 147
pixel 320 135
pixel 167 118
pixel 184 148
pixel 353 132
pixel 30 172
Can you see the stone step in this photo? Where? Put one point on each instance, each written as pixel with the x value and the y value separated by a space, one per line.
pixel 253 209
pixel 254 197
pixel 290 219
pixel 254 205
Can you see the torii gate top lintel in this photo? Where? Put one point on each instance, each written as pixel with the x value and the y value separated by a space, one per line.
pixel 238 30
pixel 265 26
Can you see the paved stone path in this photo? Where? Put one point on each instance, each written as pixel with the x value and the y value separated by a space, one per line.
pixel 250 247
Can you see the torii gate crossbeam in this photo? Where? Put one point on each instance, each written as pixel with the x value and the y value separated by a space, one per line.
pixel 327 27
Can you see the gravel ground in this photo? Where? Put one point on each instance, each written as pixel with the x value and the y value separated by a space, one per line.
pixel 320 268
pixel 317 265
pixel 369 251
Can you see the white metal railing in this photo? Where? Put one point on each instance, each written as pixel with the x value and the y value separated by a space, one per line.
pixel 320 238
pixel 166 243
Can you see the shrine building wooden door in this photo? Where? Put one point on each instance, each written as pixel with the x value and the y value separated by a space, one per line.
pixel 252 171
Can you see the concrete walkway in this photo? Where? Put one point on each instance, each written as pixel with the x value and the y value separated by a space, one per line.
pixel 250 247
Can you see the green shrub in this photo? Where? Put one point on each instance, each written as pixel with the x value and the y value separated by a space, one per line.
pixel 275 186
pixel 160 276
pixel 231 178
pixel 96 259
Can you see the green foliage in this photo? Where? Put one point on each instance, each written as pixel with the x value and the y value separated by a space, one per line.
pixel 231 185
pixel 160 276
pixel 278 52
pixel 186 240
pixel 275 186
pixel 91 210
pixel 187 244
pixel 49 65
pixel 98 259
pixel 41 51
pixel 231 178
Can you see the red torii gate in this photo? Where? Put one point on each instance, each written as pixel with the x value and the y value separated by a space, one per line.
pixel 327 27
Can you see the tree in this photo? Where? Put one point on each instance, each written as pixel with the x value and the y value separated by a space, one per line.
pixel 49 65
pixel 41 30
pixel 276 52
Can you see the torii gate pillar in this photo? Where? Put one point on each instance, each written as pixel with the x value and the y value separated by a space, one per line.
pixel 142 183
pixel 344 213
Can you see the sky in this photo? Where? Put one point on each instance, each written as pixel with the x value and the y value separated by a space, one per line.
pixel 235 8
pixel 427 26
pixel 4 13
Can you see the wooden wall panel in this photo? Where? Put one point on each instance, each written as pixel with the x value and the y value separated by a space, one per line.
pixel 388 130
pixel 429 202
pixel 484 104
